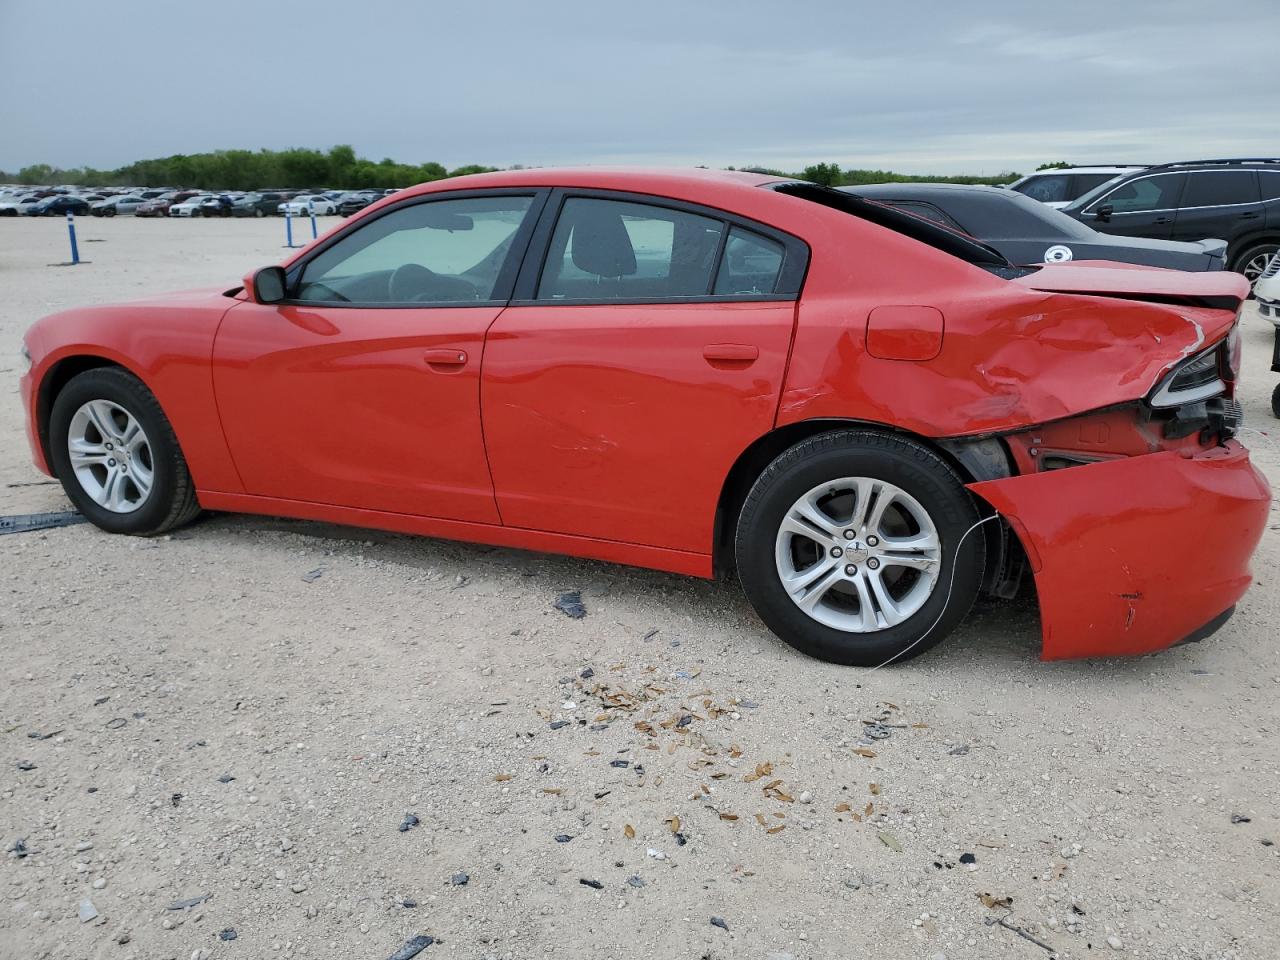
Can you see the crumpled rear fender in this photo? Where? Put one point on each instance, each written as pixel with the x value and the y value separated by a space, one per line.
pixel 1135 554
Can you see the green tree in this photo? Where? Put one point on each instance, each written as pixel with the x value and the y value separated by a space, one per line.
pixel 826 174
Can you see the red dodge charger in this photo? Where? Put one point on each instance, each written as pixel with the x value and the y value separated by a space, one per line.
pixel 870 418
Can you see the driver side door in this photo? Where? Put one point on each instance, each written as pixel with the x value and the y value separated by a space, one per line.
pixel 362 388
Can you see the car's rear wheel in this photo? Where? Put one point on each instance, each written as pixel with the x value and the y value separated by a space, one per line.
pixel 117 457
pixel 853 547
pixel 1254 260
pixel 258 212
pixel 1275 401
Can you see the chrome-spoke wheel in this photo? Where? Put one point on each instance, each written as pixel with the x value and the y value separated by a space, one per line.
pixel 1253 269
pixel 858 554
pixel 111 456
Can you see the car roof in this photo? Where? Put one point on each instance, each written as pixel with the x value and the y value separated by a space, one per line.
pixel 1118 168
pixel 640 179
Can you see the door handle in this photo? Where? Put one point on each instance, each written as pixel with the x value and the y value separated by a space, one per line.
pixel 1250 216
pixel 730 352
pixel 1163 220
pixel 445 357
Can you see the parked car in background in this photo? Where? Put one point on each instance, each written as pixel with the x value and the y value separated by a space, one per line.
pixel 257 205
pixel 1059 186
pixel 355 202
pixel 1266 289
pixel 303 205
pixel 872 418
pixel 1234 200
pixel 116 206
pixel 58 205
pixel 191 207
pixel 216 205
pixel 1029 232
pixel 155 207
pixel 17 206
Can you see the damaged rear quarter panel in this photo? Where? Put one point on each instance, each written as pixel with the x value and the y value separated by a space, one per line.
pixel 1010 357
pixel 1133 555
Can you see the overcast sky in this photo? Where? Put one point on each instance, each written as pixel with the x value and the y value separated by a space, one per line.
pixel 925 87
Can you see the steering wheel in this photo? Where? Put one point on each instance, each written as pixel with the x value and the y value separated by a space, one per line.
pixel 412 282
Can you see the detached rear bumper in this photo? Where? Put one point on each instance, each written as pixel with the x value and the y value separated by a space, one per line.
pixel 1132 556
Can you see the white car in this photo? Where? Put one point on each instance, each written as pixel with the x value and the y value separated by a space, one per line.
pixel 17 206
pixel 302 206
pixel 1059 186
pixel 110 207
pixel 191 206
pixel 1267 291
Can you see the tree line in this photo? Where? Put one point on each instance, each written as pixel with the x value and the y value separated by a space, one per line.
pixel 340 168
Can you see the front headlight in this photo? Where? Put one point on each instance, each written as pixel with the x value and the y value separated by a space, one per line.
pixel 1195 379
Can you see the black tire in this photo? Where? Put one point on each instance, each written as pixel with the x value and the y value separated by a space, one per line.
pixel 109 212
pixel 907 464
pixel 1251 253
pixel 257 212
pixel 172 499
pixel 1275 401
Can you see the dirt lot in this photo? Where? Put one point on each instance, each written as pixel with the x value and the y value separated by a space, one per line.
pixel 207 720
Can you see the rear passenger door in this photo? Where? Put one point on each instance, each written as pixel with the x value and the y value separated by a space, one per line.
pixel 1219 204
pixel 643 352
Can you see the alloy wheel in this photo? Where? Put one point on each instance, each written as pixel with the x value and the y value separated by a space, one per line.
pixel 111 456
pixel 858 554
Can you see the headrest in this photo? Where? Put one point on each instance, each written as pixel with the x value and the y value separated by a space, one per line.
pixel 601 244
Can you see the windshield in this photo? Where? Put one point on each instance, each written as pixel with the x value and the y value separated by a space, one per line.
pixel 1087 198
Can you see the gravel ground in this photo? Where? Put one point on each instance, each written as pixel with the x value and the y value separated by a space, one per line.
pixel 255 711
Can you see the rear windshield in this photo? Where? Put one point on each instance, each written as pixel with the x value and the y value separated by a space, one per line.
pixel 917 228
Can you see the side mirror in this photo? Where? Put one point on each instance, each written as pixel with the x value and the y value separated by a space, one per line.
pixel 1103 213
pixel 269 285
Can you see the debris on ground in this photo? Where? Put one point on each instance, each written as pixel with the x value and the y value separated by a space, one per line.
pixel 311 576
pixel 719 922
pixel 87 911
pixel 1240 818
pixel 593 884
pixel 25 765
pixel 412 948
pixel 408 823
pixel 460 879
pixel 189 903
pixel 228 934
pixel 570 604
pixel 26 522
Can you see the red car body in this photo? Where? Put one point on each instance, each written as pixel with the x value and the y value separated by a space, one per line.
pixel 623 432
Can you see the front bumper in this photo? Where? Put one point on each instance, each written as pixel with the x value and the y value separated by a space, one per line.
pixel 27 388
pixel 1269 310
pixel 1134 555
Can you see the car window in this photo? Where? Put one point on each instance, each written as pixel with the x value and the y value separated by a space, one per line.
pixel 1145 193
pixel 616 250
pixel 749 266
pixel 1269 181
pixel 1218 188
pixel 1052 188
pixel 443 251
pixel 1084 182
pixel 926 210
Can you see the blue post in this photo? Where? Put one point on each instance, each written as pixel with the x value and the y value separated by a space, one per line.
pixel 71 229
pixel 311 209
pixel 288 227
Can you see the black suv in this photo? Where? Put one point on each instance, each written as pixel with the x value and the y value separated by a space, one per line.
pixel 1233 200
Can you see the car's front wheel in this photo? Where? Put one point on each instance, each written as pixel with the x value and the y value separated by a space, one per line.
pixel 1275 401
pixel 1254 260
pixel 859 547
pixel 117 456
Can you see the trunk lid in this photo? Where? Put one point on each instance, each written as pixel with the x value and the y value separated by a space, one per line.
pixel 1102 278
